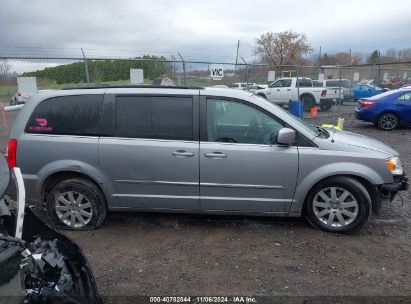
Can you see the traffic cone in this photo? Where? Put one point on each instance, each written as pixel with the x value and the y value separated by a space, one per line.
pixel 314 111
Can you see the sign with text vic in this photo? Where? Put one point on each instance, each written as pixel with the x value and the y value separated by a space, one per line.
pixel 216 71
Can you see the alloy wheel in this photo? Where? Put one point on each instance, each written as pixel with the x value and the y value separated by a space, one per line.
pixel 73 209
pixel 388 121
pixel 335 207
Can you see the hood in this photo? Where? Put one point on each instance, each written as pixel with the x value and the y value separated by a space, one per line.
pixel 347 141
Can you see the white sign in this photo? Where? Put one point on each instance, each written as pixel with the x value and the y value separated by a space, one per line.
pixel 321 77
pixel 405 75
pixel 385 76
pixel 27 85
pixel 356 76
pixel 216 71
pixel 136 76
pixel 271 76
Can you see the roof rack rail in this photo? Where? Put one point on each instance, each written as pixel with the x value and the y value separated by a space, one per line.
pixel 134 86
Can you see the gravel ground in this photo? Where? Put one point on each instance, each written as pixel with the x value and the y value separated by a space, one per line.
pixel 137 254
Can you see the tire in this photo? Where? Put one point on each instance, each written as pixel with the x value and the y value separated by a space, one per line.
pixel 309 102
pixel 348 216
pixel 326 106
pixel 59 202
pixel 388 121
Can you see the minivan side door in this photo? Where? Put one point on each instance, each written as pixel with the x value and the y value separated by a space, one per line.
pixel 242 168
pixel 150 151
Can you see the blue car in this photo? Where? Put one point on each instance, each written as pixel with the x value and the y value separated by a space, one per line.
pixel 388 110
pixel 366 90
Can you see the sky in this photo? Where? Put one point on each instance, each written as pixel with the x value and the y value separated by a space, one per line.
pixel 199 30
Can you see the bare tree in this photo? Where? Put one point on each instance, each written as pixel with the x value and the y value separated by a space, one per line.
pixel 4 69
pixel 282 48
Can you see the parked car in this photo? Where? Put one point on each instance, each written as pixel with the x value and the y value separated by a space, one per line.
pixel 84 152
pixel 388 111
pixel 336 85
pixel 253 88
pixel 21 98
pixel 366 90
pixel 38 264
pixel 241 85
pixel 283 90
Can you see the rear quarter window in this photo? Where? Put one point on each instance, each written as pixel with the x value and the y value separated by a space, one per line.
pixel 67 115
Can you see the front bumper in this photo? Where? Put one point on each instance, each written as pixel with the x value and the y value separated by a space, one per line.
pixel 400 183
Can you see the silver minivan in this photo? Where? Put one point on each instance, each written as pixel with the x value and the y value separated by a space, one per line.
pixel 84 152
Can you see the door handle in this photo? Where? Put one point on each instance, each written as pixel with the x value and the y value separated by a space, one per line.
pixel 182 153
pixel 288 89
pixel 278 89
pixel 215 155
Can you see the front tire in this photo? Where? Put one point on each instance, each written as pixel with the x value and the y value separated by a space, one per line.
pixel 338 204
pixel 76 204
pixel 388 122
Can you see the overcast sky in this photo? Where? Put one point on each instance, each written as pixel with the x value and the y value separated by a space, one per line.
pixel 205 29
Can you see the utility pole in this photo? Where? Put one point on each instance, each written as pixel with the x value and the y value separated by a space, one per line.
pixel 319 58
pixel 236 58
pixel 350 57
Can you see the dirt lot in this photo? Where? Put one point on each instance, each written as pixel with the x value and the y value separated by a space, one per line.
pixel 165 254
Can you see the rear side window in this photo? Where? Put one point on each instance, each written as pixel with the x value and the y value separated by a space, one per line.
pixel 305 83
pixel 67 115
pixel 155 117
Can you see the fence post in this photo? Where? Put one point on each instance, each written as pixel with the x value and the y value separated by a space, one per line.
pixel 86 67
pixel 339 89
pixel 184 68
pixel 246 73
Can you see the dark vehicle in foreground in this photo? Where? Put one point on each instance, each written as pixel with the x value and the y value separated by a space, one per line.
pixel 38 264
pixel 387 111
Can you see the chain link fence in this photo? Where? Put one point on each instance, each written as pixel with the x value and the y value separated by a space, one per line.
pixel 341 82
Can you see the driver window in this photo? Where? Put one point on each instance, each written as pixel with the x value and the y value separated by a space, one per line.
pixel 235 122
pixel 277 84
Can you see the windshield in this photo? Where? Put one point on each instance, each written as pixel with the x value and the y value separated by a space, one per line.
pixel 313 130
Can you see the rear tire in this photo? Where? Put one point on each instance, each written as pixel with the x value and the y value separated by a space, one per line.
pixel 76 204
pixel 339 204
pixel 388 121
pixel 309 102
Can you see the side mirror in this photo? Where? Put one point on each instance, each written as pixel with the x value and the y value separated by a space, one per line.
pixel 286 136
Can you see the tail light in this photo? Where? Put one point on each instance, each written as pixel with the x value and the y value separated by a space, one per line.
pixel 11 155
pixel 366 104
pixel 323 93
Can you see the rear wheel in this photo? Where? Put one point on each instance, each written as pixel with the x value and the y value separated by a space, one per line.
pixel 309 102
pixel 388 122
pixel 339 204
pixel 76 204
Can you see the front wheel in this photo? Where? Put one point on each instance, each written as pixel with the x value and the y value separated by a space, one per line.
pixel 339 204
pixel 76 204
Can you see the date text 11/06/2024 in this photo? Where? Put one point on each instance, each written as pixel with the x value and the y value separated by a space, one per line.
pixel 176 299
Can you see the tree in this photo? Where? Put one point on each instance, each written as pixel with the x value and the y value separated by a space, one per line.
pixel 282 48
pixel 374 57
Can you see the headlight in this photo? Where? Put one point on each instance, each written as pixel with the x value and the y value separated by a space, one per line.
pixel 394 165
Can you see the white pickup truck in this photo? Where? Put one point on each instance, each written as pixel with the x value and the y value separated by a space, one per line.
pixel 283 90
